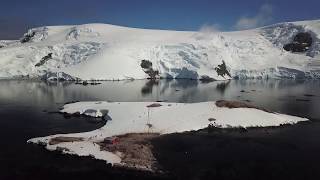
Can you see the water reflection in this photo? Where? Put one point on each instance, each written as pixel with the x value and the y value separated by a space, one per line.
pixel 277 95
pixel 24 106
pixel 221 87
pixel 148 87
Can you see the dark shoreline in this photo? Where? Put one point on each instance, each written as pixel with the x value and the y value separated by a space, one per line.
pixel 64 166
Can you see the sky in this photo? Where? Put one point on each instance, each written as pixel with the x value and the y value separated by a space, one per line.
pixel 16 16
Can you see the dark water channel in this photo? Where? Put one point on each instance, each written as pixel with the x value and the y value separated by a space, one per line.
pixel 26 111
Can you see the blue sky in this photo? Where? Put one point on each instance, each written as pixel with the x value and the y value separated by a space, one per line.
pixel 18 15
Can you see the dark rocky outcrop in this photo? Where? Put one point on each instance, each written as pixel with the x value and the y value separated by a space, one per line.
pixel 86 83
pixel 58 76
pixel 44 60
pixel 146 65
pixel 152 73
pixel 206 79
pixel 237 104
pixel 303 38
pixel 301 43
pixel 222 70
pixel 61 139
pixel 28 37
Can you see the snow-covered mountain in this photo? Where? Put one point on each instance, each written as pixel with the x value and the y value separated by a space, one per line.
pixel 108 52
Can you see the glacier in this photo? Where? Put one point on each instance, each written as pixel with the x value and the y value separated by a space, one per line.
pixel 109 52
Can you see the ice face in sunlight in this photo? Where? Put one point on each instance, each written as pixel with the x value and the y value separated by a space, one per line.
pixel 108 52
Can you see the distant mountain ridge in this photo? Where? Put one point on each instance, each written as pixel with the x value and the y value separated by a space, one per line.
pixel 108 52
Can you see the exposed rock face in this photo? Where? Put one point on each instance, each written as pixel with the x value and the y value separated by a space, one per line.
pixel 27 37
pixel 58 76
pixel 237 104
pixel 147 68
pixel 145 64
pixel 301 43
pixel 135 150
pixel 35 35
pixel 61 139
pixel 205 79
pixel 44 60
pixel 222 70
pixel 303 38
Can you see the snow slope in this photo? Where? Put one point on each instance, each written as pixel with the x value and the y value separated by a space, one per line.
pixel 107 52
pixel 139 117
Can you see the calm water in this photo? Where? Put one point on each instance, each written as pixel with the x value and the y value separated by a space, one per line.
pixel 25 108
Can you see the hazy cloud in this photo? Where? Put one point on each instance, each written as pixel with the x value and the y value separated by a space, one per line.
pixel 206 31
pixel 210 28
pixel 264 16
